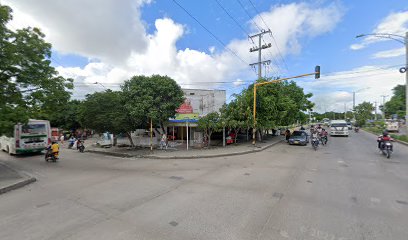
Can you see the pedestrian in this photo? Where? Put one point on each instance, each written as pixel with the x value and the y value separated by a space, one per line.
pixel 62 138
pixel 163 141
pixel 287 135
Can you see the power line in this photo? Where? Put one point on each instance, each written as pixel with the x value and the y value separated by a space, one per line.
pixel 274 40
pixel 233 19
pixel 260 29
pixel 212 34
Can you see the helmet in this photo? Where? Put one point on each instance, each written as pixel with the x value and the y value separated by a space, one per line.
pixel 385 133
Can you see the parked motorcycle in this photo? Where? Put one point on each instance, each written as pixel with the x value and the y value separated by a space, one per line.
pixel 50 156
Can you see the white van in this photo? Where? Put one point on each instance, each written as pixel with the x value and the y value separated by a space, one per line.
pixel 34 136
pixel 339 128
pixel 392 126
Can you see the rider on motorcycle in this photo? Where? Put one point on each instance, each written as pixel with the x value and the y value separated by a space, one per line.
pixel 55 149
pixel 383 138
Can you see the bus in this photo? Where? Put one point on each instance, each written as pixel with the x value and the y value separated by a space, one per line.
pixel 34 136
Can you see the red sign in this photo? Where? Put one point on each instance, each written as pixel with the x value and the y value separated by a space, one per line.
pixel 185 107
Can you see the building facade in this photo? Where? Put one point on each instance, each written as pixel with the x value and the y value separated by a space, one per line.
pixel 205 101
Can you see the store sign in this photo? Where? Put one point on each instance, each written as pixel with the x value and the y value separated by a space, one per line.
pixel 185 108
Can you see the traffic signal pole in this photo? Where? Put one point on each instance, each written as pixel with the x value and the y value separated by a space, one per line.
pixel 317 75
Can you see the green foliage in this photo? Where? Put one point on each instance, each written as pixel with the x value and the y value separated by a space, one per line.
pixel 210 123
pixel 104 111
pixel 396 105
pixel 29 86
pixel 156 97
pixel 363 112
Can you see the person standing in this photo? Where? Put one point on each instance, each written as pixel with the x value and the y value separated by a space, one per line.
pixel 287 135
pixel 62 138
pixel 163 141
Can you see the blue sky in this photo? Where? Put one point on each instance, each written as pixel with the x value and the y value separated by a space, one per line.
pixel 108 41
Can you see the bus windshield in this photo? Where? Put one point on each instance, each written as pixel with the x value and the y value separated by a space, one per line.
pixel 31 129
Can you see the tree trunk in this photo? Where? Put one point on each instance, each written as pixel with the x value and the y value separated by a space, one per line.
pixel 209 138
pixel 247 133
pixel 163 128
pixel 115 139
pixel 130 139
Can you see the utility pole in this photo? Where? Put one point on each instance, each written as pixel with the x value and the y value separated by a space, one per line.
pixel 345 111
pixel 375 110
pixel 383 106
pixel 259 63
pixel 259 49
pixel 354 100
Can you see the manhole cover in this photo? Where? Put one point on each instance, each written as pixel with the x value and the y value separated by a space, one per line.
pixel 176 178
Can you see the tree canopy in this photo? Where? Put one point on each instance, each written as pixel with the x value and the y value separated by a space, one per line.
pixel 29 86
pixel 363 112
pixel 396 105
pixel 155 97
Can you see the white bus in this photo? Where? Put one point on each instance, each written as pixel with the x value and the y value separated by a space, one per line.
pixel 31 137
pixel 339 128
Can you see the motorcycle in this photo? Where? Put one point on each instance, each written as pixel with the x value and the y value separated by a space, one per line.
pixel 81 147
pixel 50 156
pixel 386 148
pixel 356 129
pixel 315 143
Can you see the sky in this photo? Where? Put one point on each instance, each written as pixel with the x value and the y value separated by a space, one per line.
pixel 205 44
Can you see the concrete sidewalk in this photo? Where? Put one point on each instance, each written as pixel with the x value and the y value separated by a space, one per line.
pixel 11 179
pixel 180 152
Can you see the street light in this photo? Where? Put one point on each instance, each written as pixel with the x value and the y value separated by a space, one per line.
pixel 100 84
pixel 404 41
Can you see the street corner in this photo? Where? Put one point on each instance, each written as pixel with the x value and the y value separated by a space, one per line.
pixel 11 179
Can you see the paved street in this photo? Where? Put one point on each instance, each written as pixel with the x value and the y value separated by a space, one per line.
pixel 345 190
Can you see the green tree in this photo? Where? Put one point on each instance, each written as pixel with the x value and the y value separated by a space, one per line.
pixel 209 124
pixel 67 116
pixel 363 112
pixel 156 97
pixel 29 86
pixel 104 111
pixel 396 105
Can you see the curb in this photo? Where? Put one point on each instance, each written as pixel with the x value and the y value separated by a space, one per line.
pixel 27 179
pixel 125 155
pixel 396 140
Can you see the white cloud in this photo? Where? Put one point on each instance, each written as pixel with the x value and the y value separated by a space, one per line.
pixel 114 37
pixel 390 53
pixel 239 82
pixel 394 23
pixel 332 91
pixel 99 29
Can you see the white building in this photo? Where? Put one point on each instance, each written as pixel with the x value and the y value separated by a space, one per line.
pixel 205 101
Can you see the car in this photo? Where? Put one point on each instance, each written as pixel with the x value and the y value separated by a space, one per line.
pixel 349 126
pixel 299 138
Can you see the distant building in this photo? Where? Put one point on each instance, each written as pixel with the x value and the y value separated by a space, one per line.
pixel 205 101
pixel 198 103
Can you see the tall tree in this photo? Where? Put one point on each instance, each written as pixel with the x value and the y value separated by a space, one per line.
pixel 363 112
pixel 29 86
pixel 104 111
pixel 396 105
pixel 155 97
pixel 210 123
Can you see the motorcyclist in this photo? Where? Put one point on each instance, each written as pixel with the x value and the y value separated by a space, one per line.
pixel 71 142
pixel 55 149
pixel 323 135
pixel 302 128
pixel 383 138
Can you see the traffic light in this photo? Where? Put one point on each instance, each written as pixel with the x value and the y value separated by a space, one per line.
pixel 317 72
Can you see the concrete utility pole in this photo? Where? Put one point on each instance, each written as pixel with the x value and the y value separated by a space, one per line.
pixel 375 110
pixel 383 106
pixel 259 49
pixel 259 63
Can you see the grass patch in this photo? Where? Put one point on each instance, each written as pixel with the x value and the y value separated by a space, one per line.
pixel 403 138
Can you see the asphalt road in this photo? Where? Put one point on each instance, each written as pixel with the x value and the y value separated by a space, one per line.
pixel 345 190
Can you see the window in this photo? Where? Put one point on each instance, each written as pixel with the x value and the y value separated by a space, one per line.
pixel 192 93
